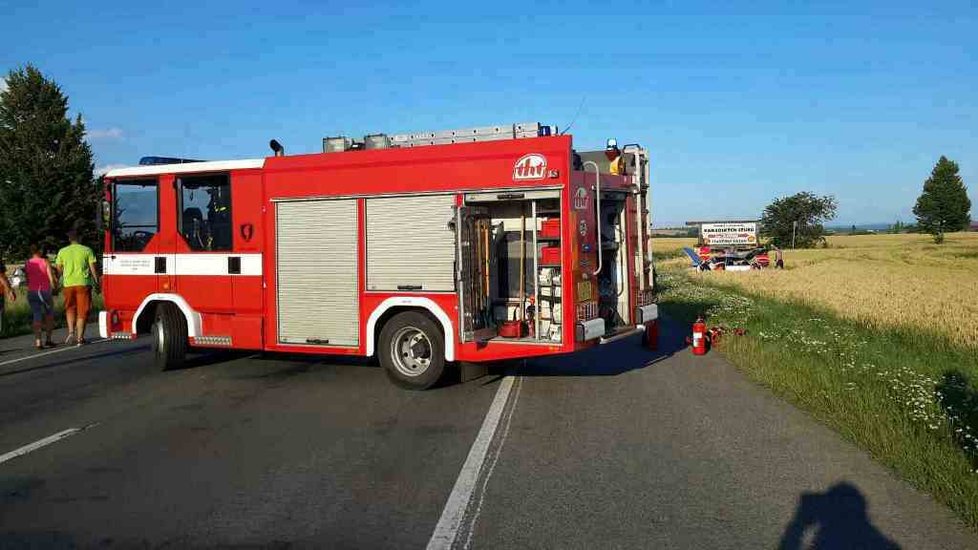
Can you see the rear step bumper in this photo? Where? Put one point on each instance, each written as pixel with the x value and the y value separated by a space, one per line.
pixel 594 328
pixel 646 314
pixel 590 329
pixel 622 335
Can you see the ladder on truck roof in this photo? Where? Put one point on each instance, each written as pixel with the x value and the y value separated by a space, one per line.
pixel 460 135
pixel 479 133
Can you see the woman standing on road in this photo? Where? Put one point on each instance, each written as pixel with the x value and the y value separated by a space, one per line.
pixel 40 280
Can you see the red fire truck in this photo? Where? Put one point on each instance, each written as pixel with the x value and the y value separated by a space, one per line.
pixel 423 249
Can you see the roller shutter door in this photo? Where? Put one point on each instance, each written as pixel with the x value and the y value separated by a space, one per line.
pixel 410 245
pixel 316 251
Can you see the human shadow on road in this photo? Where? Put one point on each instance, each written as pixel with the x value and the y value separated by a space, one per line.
pixel 607 360
pixel 836 518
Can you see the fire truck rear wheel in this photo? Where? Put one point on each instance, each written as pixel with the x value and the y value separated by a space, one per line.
pixel 412 350
pixel 169 337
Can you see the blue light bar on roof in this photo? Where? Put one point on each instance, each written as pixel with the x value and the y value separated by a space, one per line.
pixel 153 161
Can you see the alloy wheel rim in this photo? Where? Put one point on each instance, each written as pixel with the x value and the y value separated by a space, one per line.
pixel 411 351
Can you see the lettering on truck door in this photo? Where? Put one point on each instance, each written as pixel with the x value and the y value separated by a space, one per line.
pixel 130 261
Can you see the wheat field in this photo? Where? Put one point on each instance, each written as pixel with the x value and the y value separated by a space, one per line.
pixel 893 281
pixel 671 245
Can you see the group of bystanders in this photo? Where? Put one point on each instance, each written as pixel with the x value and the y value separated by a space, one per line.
pixel 73 274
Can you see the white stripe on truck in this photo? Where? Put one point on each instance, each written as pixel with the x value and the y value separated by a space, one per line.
pixel 204 263
pixel 186 167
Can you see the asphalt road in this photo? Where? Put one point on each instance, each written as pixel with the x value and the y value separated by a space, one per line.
pixel 618 447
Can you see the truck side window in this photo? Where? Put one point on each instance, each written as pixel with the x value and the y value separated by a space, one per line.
pixel 135 215
pixel 205 211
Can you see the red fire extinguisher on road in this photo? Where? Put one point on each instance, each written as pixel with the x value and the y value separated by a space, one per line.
pixel 699 337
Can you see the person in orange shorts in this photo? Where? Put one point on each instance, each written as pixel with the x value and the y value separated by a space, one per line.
pixel 76 262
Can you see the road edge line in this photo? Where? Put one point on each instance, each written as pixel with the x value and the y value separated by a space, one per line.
pixel 458 501
pixel 30 447
pixel 480 497
pixel 67 347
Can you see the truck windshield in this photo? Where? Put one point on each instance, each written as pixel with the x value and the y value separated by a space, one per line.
pixel 134 214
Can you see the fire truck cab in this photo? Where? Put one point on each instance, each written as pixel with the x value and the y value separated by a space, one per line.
pixel 421 249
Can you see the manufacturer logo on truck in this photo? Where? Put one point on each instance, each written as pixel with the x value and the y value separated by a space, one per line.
pixel 581 199
pixel 530 167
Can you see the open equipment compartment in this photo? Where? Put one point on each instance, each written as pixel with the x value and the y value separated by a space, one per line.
pixel 619 179
pixel 510 267
pixel 613 278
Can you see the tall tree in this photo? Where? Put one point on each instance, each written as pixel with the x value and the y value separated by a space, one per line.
pixel 809 211
pixel 943 205
pixel 46 183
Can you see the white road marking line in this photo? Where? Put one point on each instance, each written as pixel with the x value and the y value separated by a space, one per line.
pixel 66 347
pixel 474 518
pixel 458 501
pixel 43 443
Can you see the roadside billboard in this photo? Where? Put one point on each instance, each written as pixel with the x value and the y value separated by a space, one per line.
pixel 729 233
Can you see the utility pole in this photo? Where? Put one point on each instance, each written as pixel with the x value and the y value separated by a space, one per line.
pixel 794 230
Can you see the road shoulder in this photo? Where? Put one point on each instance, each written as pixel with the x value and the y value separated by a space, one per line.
pixel 686 452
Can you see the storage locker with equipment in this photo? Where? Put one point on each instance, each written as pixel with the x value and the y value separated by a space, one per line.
pixel 510 274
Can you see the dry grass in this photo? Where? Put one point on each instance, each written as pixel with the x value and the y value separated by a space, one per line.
pixel 671 245
pixel 887 281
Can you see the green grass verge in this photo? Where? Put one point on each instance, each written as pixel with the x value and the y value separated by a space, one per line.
pixel 17 315
pixel 911 402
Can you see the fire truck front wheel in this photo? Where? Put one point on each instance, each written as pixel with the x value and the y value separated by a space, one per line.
pixel 412 350
pixel 169 337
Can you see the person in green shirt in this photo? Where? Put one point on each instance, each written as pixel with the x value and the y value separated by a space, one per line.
pixel 76 263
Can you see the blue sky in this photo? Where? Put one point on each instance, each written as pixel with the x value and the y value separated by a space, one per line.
pixel 738 103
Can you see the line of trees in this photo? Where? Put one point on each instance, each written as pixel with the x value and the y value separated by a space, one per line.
pixel 943 206
pixel 47 185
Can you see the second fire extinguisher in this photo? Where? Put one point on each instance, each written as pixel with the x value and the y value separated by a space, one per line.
pixel 699 337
